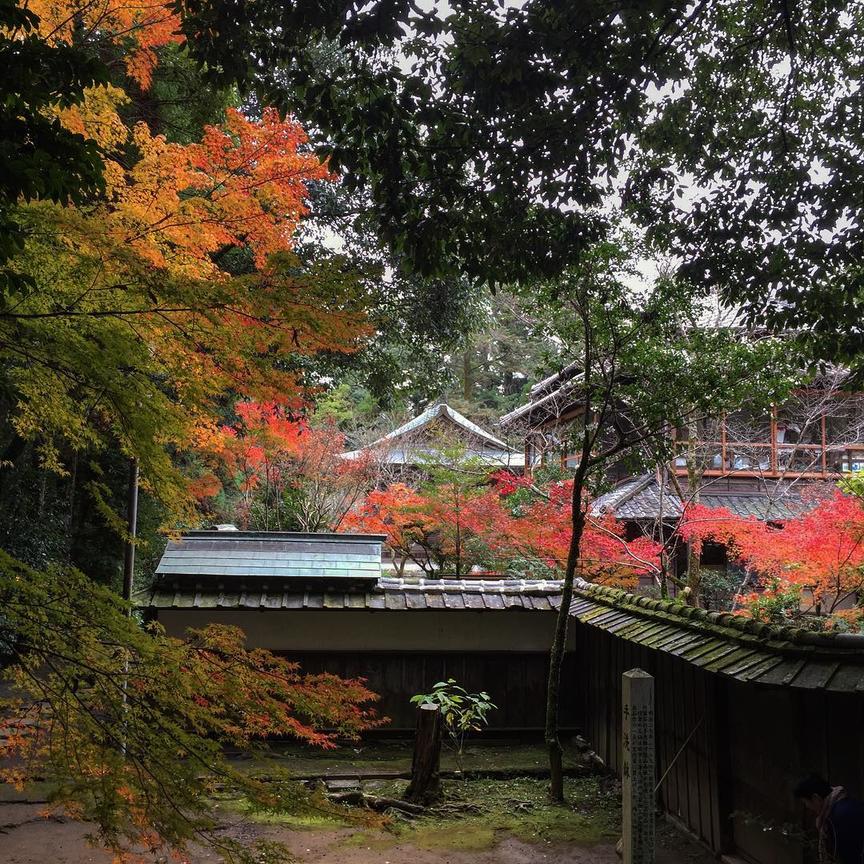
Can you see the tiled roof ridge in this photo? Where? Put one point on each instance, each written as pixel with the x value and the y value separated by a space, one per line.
pixel 431 413
pixel 743 630
pixel 216 534
pixel 636 484
pixel 474 586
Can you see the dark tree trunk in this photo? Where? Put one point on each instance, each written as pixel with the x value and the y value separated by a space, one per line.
pixel 425 785
pixel 559 645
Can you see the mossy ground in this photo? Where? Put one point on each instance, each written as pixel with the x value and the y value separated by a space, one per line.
pixel 519 808
pixel 493 808
pixel 477 814
pixel 394 756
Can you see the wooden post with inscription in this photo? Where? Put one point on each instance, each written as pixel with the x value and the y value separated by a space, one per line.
pixel 637 767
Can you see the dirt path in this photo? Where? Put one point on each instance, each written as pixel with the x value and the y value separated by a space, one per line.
pixel 28 838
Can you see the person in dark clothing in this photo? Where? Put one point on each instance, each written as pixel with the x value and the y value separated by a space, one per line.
pixel 839 820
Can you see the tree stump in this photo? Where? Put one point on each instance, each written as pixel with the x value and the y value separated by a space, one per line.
pixel 425 785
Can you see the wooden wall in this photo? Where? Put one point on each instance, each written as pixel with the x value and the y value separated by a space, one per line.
pixel 742 747
pixel 515 681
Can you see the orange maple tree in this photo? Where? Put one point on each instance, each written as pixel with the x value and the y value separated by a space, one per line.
pixel 128 726
pixel 137 330
pixel 138 28
pixel 286 472
pixel 396 512
pixel 149 309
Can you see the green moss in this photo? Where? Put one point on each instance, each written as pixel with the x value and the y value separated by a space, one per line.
pixel 394 757
pixel 304 816
pixel 517 808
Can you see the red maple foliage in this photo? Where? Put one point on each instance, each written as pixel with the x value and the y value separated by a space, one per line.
pixel 538 530
pixel 505 525
pixel 820 552
pixel 397 513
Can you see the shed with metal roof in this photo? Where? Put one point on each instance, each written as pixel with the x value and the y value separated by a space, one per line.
pixel 273 555
pixel 321 599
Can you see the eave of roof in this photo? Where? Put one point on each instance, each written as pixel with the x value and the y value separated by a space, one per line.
pixel 549 398
pixel 387 594
pixel 723 643
pixel 418 455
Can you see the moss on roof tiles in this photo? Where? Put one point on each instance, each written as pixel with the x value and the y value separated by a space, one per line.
pixel 726 644
pixel 729 626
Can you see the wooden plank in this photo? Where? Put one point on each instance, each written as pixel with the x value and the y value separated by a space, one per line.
pixel 841 720
pixel 683 727
pixel 672 784
pixel 706 790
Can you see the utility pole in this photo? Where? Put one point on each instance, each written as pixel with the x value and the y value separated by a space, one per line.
pixel 131 529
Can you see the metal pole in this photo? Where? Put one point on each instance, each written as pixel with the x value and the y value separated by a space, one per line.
pixel 131 528
pixel 129 565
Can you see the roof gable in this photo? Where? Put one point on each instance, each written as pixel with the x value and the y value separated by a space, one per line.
pixel 442 411
pixel 403 444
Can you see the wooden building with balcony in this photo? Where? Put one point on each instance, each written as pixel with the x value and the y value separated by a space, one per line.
pixel 765 465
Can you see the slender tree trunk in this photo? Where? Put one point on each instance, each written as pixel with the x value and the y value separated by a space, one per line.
pixel 467 374
pixel 694 574
pixel 660 530
pixel 559 645
pixel 664 575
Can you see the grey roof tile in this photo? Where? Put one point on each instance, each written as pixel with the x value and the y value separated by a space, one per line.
pixel 473 601
pixel 415 600
pixel 395 601
pixel 454 601
pixel 725 644
pixel 434 600
pixel 639 499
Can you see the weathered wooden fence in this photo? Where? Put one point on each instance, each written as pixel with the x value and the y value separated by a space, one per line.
pixel 731 752
pixel 515 681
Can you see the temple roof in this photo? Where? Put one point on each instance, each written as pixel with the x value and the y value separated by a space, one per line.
pixel 642 499
pixel 404 445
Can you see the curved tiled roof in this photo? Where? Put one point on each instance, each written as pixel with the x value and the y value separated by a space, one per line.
pixel 724 643
pixel 388 593
pixel 502 451
pixel 639 498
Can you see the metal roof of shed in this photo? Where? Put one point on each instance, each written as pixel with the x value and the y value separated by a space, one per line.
pixel 273 555
pixel 724 643
pixel 388 593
